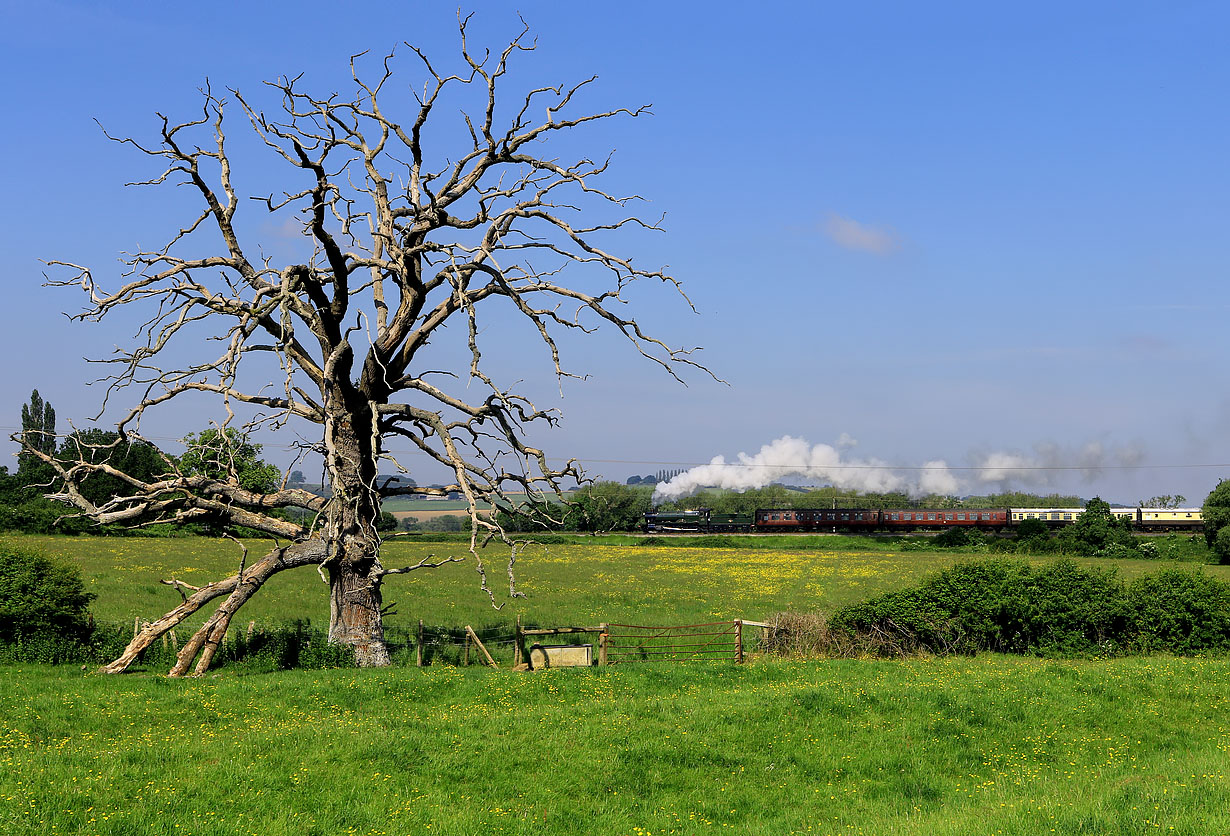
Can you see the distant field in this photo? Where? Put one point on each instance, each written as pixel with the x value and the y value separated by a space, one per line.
pixel 563 584
pixel 414 506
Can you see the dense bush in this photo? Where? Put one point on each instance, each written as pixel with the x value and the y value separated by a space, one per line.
pixel 1216 513
pixel 1180 612
pixel 44 608
pixel 1060 609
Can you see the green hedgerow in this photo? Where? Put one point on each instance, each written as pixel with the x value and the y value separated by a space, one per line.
pixel 44 608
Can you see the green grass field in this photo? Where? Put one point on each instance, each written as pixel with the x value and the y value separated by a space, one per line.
pixel 930 746
pixel 990 745
pixel 563 584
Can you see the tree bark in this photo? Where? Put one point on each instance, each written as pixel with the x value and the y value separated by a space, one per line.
pixel 355 617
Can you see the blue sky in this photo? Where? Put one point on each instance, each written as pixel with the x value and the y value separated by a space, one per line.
pixel 966 233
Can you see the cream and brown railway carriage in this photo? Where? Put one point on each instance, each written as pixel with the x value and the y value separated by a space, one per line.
pixel 1170 519
pixel 1053 517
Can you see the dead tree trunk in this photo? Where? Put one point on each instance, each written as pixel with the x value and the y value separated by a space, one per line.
pixel 238 591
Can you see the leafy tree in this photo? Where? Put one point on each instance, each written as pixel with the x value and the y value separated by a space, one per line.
pixel 386 523
pixel 416 231
pixel 1163 501
pixel 609 506
pixel 1096 530
pixel 1033 536
pixel 227 455
pixel 444 523
pixel 1216 513
pixel 38 435
pixel 38 424
pixel 118 466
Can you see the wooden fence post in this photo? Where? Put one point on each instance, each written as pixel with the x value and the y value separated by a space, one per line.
pixel 517 638
pixel 466 663
pixel 603 638
pixel 738 642
pixel 418 647
pixel 471 636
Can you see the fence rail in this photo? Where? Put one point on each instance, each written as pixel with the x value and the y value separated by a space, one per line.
pixel 616 643
pixel 632 642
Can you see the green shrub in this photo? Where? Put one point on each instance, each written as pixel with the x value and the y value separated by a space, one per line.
pixel 1060 609
pixel 294 645
pixel 1180 612
pixel 44 613
pixel 1221 545
pixel 1000 605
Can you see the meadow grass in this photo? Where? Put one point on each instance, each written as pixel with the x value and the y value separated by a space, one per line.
pixel 992 745
pixel 563 584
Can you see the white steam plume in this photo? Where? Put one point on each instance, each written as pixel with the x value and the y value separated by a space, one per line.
pixel 789 456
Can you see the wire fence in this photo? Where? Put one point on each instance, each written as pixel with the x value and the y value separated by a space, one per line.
pixel 536 646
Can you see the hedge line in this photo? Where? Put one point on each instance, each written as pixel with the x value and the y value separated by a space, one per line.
pixel 1009 606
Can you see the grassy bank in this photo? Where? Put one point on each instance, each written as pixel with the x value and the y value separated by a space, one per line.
pixel 952 746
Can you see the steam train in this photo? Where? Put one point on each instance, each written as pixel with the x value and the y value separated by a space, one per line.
pixel 854 520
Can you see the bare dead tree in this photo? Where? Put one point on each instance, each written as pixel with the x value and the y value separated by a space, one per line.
pixel 404 241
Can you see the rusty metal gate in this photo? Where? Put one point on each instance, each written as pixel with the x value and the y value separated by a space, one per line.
pixel 634 642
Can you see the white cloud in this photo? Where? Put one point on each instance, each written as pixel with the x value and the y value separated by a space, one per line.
pixel 853 235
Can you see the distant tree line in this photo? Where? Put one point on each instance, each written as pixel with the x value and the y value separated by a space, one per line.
pixel 216 452
pixel 654 478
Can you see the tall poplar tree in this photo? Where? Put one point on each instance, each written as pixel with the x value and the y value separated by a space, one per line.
pixel 38 431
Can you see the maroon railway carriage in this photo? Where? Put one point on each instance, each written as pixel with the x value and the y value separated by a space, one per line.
pixel 986 518
pixel 819 519
pixel 869 519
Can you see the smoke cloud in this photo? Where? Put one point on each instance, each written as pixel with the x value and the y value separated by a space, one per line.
pixel 791 457
pixel 1002 470
pixel 795 457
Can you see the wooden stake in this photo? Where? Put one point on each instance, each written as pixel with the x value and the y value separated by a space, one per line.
pixel 603 639
pixel 472 636
pixel 738 642
pixel 418 647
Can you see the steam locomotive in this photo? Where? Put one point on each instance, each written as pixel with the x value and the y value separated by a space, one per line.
pixel 848 520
